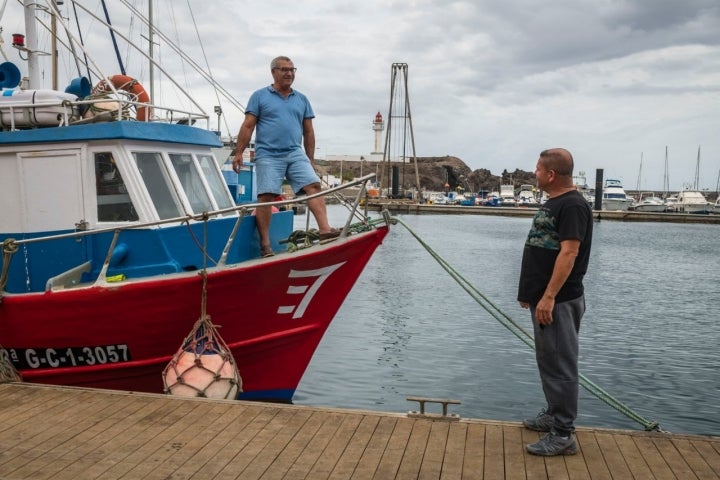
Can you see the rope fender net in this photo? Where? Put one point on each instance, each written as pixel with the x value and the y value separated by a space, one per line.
pixel 525 337
pixel 203 366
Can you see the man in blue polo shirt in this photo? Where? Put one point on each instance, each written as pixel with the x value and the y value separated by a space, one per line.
pixel 284 148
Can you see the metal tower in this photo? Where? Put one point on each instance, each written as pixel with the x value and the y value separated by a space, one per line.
pixel 396 136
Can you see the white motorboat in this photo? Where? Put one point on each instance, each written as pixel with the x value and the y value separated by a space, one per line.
pixel 693 201
pixel 650 203
pixel 507 196
pixel 614 196
pixel 526 197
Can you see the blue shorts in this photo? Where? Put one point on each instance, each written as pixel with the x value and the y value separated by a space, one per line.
pixel 295 166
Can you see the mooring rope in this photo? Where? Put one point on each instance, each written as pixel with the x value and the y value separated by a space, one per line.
pixel 525 336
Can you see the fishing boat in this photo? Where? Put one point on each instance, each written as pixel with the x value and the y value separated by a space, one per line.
pixel 614 196
pixel 119 233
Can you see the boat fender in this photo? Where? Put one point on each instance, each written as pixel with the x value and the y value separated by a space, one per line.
pixel 9 75
pixel 203 366
pixel 130 85
pixel 120 252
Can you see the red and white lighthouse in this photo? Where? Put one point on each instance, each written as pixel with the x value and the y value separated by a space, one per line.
pixel 378 127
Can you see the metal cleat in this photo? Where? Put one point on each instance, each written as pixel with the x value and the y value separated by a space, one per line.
pixel 451 417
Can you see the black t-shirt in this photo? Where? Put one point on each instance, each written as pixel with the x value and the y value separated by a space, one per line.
pixel 565 217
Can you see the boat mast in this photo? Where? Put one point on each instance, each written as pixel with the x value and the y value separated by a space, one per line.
pixel 32 42
pixel 637 187
pixel 696 184
pixel 151 50
pixel 666 180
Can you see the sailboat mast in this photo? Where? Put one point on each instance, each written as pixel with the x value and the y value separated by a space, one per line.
pixel 666 180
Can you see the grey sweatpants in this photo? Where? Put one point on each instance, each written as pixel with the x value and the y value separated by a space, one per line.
pixel 556 352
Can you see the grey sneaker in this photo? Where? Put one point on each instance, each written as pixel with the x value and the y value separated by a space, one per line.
pixel 553 444
pixel 542 423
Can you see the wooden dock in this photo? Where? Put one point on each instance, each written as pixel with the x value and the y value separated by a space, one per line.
pixel 71 433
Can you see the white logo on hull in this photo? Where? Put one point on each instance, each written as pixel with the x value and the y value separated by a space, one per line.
pixel 307 291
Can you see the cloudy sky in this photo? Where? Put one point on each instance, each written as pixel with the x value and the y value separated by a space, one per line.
pixel 492 82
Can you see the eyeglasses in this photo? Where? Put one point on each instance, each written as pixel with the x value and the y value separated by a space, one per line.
pixel 286 69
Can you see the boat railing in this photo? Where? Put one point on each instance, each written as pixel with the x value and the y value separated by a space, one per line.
pixel 11 245
pixel 75 112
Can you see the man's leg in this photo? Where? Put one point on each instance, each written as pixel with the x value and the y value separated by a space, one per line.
pixel 317 207
pixel 262 222
pixel 556 350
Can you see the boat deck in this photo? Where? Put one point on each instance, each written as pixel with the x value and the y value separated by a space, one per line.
pixel 69 433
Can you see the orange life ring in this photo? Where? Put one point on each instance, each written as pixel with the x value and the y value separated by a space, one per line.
pixel 130 85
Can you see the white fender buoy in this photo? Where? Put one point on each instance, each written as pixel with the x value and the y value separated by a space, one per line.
pixel 203 366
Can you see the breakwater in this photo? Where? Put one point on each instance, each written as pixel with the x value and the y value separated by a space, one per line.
pixel 400 207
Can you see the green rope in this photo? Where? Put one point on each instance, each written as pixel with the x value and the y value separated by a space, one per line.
pixel 526 337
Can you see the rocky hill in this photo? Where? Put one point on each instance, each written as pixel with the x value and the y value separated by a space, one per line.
pixel 435 174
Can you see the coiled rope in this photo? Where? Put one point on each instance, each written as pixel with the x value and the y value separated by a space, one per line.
pixel 524 336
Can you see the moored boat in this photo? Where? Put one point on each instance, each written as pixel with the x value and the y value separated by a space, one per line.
pixel 614 196
pixel 692 201
pixel 648 202
pixel 123 233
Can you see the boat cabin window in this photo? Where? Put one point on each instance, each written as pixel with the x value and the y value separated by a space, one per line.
pixel 191 182
pixel 113 201
pixel 215 181
pixel 157 182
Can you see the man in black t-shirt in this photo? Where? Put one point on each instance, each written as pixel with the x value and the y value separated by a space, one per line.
pixel 554 263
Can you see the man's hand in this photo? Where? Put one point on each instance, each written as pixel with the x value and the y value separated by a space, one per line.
pixel 237 162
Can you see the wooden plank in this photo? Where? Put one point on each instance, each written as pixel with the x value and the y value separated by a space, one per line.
pixel 334 449
pixel 514 453
pixel 395 449
pixel 202 429
pixel 279 436
pixel 53 443
pixel 331 423
pixel 370 460
pixel 215 454
pixel 697 463
pixel 350 457
pixel 494 457
pixel 709 454
pixel 613 458
pixel 633 458
pixel 37 428
pixel 149 438
pixel 474 457
pixel 432 461
pixel 575 464
pixel 414 450
pixel 299 442
pixel 593 455
pixel 454 452
pixel 672 457
pixel 659 468
pixel 262 439
pixel 534 465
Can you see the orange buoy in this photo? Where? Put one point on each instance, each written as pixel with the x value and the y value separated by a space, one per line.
pixel 130 85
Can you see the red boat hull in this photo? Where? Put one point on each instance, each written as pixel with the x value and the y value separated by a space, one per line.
pixel 272 313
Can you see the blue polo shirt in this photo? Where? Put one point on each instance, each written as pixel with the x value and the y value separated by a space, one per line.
pixel 279 128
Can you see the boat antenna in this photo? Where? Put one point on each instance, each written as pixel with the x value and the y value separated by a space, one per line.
pixel 112 35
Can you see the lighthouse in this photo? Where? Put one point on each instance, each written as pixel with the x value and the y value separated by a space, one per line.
pixel 378 127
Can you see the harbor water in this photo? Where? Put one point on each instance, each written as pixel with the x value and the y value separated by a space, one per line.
pixel 649 336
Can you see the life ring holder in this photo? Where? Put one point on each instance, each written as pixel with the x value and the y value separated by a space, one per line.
pixel 130 85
